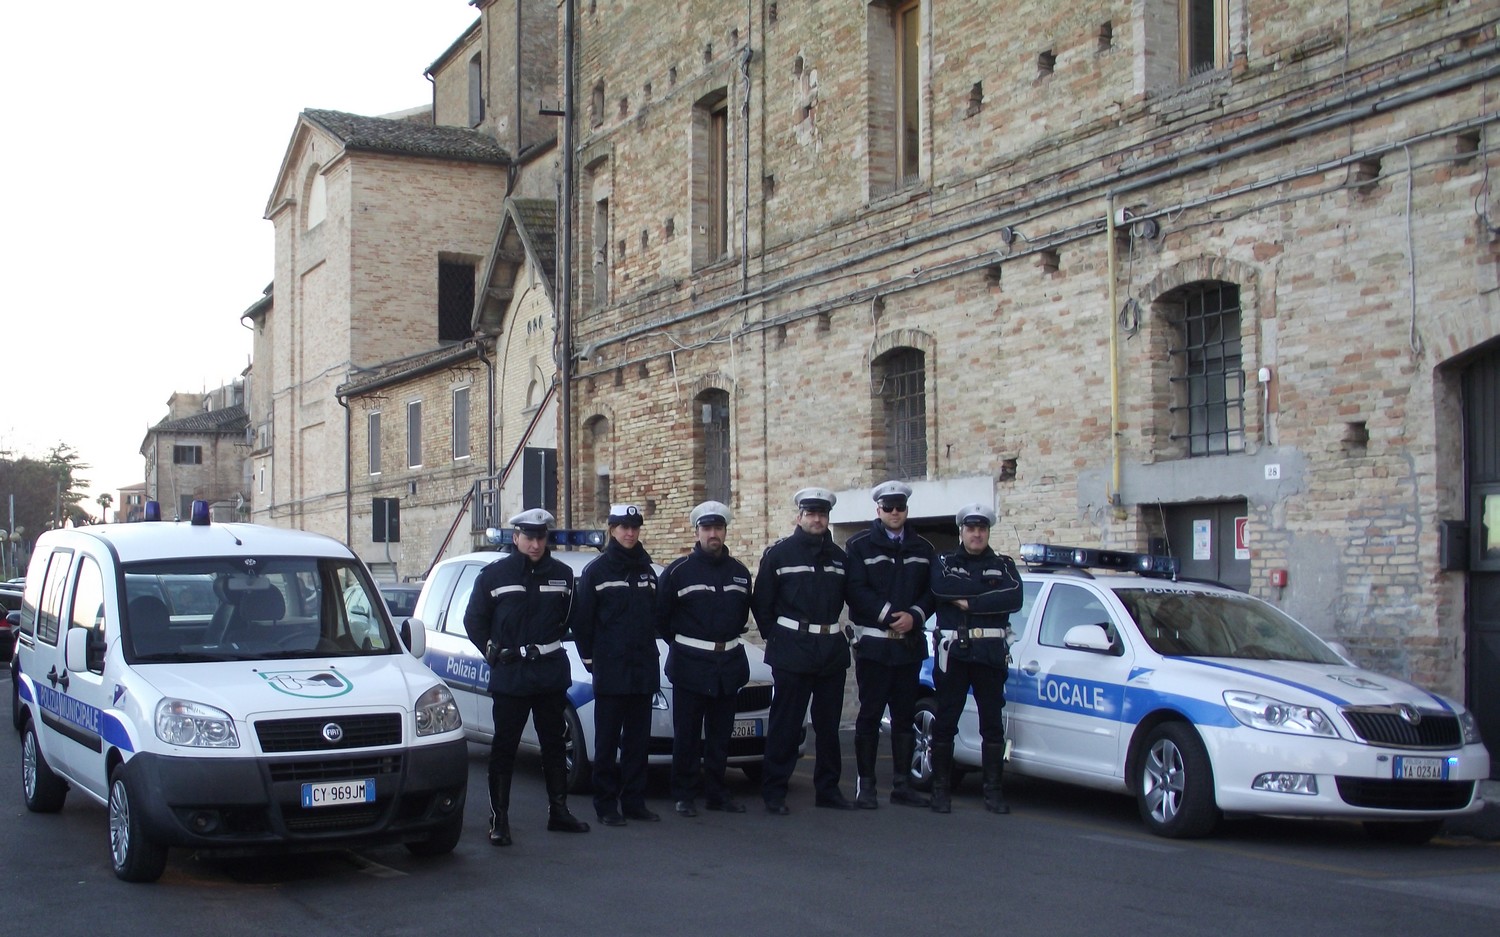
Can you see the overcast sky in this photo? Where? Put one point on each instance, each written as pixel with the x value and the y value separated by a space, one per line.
pixel 141 144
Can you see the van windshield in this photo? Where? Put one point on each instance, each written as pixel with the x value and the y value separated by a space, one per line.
pixel 259 608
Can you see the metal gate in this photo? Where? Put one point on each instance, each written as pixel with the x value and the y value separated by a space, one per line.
pixel 1481 390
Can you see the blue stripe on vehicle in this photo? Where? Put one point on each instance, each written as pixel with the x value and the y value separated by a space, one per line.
pixel 580 694
pixel 469 672
pixel 1337 701
pixel 115 733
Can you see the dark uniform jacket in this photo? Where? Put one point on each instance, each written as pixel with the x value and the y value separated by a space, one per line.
pixel 614 620
pixel 991 585
pixel 885 577
pixel 707 598
pixel 520 604
pixel 801 578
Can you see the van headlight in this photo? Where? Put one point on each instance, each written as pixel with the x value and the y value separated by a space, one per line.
pixel 1272 715
pixel 437 712
pixel 194 725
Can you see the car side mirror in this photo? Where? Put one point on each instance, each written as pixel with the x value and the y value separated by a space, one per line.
pixel 414 636
pixel 1088 638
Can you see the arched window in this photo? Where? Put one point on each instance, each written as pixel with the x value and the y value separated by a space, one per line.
pixel 711 443
pixel 1207 376
pixel 317 198
pixel 899 381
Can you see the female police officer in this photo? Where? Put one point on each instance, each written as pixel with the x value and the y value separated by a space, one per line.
pixel 614 623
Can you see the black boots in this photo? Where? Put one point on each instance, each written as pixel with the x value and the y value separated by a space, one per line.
pixel 992 756
pixel 903 747
pixel 866 747
pixel 559 820
pixel 942 776
pixel 500 810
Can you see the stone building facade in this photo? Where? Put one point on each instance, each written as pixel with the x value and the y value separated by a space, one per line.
pixel 195 453
pixel 1202 276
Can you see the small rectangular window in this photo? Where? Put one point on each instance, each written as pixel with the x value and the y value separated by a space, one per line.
pixel 187 455
pixel 455 301
pixel 414 434
pixel 476 91
pixel 1204 35
pixel 373 442
pixel 460 423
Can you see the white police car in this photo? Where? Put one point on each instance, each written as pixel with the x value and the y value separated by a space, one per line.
pixel 452 656
pixel 205 682
pixel 1201 701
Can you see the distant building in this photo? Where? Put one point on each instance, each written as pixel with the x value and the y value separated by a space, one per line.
pixel 197 453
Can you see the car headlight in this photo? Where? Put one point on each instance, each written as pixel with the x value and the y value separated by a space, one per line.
pixel 183 722
pixel 1470 727
pixel 659 701
pixel 437 712
pixel 1272 715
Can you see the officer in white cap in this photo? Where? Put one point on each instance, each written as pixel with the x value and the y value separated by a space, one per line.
pixel 518 613
pixel 614 625
pixel 702 611
pixel 976 590
pixel 797 601
pixel 890 598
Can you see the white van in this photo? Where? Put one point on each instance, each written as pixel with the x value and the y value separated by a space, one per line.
pixel 205 683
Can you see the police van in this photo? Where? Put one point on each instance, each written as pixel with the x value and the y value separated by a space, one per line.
pixel 1201 702
pixel 206 684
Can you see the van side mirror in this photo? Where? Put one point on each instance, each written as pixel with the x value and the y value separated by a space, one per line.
pixel 81 651
pixel 414 636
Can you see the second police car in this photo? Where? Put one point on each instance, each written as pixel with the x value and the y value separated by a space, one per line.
pixel 452 656
pixel 1201 702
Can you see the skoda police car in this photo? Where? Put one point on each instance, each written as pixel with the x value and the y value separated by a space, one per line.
pixel 1201 702
pixel 452 656
pixel 206 683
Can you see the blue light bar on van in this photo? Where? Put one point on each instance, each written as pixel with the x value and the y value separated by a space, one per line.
pixel 200 514
pixel 152 511
pixel 506 536
pixel 1147 564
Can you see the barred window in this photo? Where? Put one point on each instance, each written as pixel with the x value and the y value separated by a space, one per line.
pixel 1208 381
pixel 712 413
pixel 900 382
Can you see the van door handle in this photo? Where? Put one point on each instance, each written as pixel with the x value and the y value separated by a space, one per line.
pixel 1031 668
pixel 55 678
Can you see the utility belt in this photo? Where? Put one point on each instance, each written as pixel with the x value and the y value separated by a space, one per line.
pixel 958 638
pixel 865 631
pixel 707 645
pixel 494 654
pixel 796 625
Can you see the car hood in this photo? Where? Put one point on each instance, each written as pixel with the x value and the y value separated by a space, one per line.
pixel 1292 681
pixel 246 689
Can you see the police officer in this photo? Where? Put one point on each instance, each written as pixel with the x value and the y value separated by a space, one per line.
pixel 797 600
pixel 614 625
pixel 890 597
pixel 518 613
pixel 976 590
pixel 702 610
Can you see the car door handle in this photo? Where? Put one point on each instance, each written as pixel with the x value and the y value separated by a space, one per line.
pixel 1030 668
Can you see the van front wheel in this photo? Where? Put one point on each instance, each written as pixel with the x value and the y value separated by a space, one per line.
pixel 135 856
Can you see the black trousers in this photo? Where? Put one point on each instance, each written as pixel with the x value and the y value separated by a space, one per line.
pixel 622 736
pixel 789 703
pixel 880 685
pixel 546 711
pixel 701 726
pixel 953 687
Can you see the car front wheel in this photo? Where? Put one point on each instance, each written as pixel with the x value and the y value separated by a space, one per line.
pixel 921 753
pixel 579 773
pixel 1174 783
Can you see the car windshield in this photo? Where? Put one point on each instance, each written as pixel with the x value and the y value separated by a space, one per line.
pixel 1185 623
pixel 261 608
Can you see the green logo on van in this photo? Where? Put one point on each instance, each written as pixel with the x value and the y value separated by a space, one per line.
pixel 309 684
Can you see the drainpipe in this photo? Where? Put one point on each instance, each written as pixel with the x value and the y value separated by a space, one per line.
pixel 1111 265
pixel 565 293
pixel 348 473
pixel 489 394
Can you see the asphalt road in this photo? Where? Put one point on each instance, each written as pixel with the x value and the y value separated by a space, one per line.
pixel 1067 861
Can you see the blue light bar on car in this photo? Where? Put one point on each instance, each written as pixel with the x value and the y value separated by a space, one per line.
pixel 200 514
pixel 1147 564
pixel 152 511
pixel 506 536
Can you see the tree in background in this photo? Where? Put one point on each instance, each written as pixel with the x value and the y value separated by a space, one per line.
pixel 105 500
pixel 47 492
